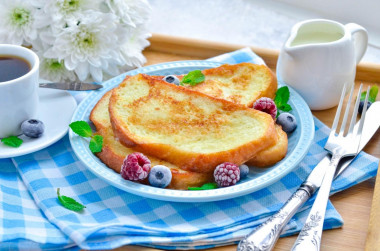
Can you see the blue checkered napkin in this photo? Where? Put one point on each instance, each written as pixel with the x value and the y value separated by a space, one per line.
pixel 21 219
pixel 239 56
pixel 113 218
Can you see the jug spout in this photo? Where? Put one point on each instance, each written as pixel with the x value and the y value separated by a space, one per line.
pixel 293 46
pixel 294 50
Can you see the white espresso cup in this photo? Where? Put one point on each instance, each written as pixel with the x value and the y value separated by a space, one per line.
pixel 19 96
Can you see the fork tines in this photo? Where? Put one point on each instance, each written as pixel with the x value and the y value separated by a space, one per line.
pixel 354 113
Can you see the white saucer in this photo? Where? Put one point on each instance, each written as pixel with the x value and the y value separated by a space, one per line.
pixel 55 110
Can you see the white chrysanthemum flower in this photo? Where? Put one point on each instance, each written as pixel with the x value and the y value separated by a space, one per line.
pixel 78 39
pixel 46 39
pixel 130 12
pixel 56 12
pixel 18 22
pixel 89 44
pixel 132 49
pixel 55 70
pixel 61 9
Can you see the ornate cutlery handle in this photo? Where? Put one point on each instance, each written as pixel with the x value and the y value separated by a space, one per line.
pixel 265 236
pixel 310 236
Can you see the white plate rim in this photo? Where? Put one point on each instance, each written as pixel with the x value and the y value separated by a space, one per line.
pixel 80 147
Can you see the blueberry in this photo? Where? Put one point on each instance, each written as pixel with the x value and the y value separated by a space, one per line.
pixel 32 128
pixel 244 170
pixel 361 106
pixel 171 79
pixel 160 176
pixel 287 121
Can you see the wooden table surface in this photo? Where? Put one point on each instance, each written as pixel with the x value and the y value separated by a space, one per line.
pixel 354 204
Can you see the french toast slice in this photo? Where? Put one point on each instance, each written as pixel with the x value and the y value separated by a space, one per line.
pixel 192 130
pixel 100 117
pixel 241 83
pixel 272 154
pixel 113 152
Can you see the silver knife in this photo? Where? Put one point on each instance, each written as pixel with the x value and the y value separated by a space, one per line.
pixel 265 236
pixel 71 86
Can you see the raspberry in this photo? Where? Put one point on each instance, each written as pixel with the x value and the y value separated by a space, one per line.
pixel 136 166
pixel 266 105
pixel 226 174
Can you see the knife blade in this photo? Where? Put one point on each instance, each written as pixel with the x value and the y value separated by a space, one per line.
pixel 71 86
pixel 265 236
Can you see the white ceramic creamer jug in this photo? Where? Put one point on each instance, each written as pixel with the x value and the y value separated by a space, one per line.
pixel 319 57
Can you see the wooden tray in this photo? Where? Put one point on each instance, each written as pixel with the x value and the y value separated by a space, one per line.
pixel 353 204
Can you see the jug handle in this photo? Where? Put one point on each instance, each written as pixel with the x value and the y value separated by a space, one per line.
pixel 360 39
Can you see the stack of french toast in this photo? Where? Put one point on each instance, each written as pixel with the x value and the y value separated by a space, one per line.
pixel 191 129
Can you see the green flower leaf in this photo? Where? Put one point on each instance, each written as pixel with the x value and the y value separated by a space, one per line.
pixel 12 141
pixel 96 143
pixel 282 95
pixel 281 99
pixel 193 78
pixel 362 96
pixel 69 203
pixel 206 186
pixel 372 94
pixel 82 128
pixel 285 108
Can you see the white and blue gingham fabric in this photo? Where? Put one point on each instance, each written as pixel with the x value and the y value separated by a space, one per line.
pixel 32 218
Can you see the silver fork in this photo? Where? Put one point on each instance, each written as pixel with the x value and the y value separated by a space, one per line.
pixel 339 146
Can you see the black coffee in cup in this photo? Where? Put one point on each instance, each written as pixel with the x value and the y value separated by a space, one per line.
pixel 12 67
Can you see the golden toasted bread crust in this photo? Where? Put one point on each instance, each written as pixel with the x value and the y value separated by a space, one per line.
pixel 113 152
pixel 99 115
pixel 97 111
pixel 113 155
pixel 175 124
pixel 272 154
pixel 242 83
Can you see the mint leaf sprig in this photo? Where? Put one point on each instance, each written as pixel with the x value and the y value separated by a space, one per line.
pixel 83 129
pixel 193 78
pixel 372 94
pixel 206 186
pixel 281 99
pixel 12 141
pixel 69 203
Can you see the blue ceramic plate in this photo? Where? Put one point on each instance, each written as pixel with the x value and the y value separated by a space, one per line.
pixel 258 178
